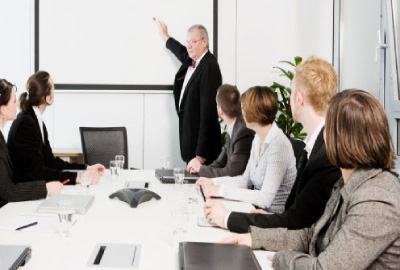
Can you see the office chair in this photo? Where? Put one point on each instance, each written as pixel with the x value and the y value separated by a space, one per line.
pixel 102 144
pixel 298 147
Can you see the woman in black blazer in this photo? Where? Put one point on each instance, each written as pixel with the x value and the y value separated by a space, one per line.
pixel 28 143
pixel 10 192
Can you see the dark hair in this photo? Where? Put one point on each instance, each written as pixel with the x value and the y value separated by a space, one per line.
pixel 357 132
pixel 5 91
pixel 228 97
pixel 38 87
pixel 259 105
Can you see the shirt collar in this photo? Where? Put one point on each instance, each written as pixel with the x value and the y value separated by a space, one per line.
pixel 38 113
pixel 201 57
pixel 310 140
pixel 229 128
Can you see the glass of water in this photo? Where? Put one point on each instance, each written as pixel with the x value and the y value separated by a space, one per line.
pixel 114 169
pixel 121 161
pixel 65 213
pixel 179 175
pixel 165 160
pixel 84 177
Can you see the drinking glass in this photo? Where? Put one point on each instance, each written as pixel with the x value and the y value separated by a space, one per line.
pixel 179 175
pixel 85 177
pixel 121 161
pixel 179 218
pixel 165 160
pixel 114 169
pixel 65 212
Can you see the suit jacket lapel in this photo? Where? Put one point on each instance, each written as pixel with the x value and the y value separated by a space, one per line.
pixel 5 149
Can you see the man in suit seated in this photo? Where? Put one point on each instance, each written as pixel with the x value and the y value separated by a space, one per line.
pixel 314 83
pixel 235 153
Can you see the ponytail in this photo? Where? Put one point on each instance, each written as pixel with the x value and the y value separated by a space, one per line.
pixel 24 102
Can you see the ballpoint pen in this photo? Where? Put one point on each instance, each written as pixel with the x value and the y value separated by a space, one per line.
pixel 65 181
pixel 26 226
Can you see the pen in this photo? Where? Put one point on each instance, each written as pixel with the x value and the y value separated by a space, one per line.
pixel 26 226
pixel 65 181
pixel 202 192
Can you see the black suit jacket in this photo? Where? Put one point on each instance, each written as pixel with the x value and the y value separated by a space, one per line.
pixel 199 130
pixel 32 158
pixel 10 192
pixel 233 158
pixel 307 199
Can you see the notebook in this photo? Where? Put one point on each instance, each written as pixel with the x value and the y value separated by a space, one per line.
pixel 80 203
pixel 12 257
pixel 196 255
pixel 167 176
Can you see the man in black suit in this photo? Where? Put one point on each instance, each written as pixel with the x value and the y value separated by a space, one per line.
pixel 314 84
pixel 233 158
pixel 195 88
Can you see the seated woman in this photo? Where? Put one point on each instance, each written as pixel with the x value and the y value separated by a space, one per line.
pixel 28 144
pixel 360 226
pixel 10 192
pixel 271 169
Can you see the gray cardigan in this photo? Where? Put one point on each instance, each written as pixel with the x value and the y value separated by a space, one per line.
pixel 364 233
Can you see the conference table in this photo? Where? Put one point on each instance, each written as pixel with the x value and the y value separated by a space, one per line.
pixel 114 221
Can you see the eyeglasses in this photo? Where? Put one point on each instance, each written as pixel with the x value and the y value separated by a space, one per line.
pixel 192 41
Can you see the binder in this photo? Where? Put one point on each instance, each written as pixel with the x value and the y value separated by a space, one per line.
pixel 197 255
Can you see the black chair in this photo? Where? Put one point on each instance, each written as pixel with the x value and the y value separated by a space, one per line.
pixel 102 144
pixel 298 147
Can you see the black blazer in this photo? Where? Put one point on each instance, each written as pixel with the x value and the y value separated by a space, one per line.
pixel 10 192
pixel 32 158
pixel 199 130
pixel 307 200
pixel 233 158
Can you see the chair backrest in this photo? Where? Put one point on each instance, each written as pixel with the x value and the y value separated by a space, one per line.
pixel 102 144
pixel 298 147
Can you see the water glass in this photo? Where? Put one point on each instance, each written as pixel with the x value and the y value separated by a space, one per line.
pixel 121 161
pixel 179 175
pixel 165 160
pixel 65 213
pixel 179 226
pixel 114 169
pixel 85 177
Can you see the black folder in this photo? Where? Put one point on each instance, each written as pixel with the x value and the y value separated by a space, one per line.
pixel 196 255
pixel 167 176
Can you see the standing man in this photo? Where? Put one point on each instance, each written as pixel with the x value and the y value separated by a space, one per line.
pixel 195 88
pixel 233 158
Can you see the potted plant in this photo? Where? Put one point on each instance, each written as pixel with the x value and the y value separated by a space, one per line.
pixel 285 119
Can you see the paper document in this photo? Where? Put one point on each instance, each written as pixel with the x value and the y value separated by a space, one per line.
pixel 44 223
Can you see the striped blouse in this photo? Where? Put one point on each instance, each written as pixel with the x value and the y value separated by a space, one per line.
pixel 271 173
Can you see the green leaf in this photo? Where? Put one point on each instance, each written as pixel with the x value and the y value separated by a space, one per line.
pixel 298 60
pixel 288 62
pixel 285 73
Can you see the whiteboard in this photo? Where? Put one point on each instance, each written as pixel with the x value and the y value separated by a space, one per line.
pixel 114 42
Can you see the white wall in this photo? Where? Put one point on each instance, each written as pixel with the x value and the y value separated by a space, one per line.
pixel 253 37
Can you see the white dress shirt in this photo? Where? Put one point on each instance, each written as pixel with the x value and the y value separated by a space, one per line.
pixel 39 116
pixel 188 75
pixel 310 140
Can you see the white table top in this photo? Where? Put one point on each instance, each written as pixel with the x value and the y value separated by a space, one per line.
pixel 113 221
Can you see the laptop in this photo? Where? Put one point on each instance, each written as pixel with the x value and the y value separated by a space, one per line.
pixel 80 203
pixel 210 256
pixel 167 176
pixel 12 257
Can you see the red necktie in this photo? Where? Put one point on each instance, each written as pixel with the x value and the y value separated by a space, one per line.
pixel 193 64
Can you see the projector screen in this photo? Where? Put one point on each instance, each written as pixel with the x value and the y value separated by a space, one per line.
pixel 115 44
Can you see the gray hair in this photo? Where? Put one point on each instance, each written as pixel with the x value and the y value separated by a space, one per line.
pixel 202 30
